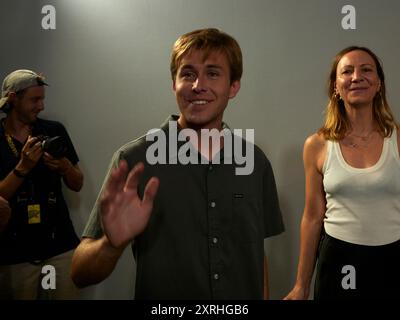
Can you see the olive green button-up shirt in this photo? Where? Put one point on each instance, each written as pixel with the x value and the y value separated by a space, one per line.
pixel 205 237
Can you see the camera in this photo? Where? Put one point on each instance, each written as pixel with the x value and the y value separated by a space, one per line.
pixel 53 145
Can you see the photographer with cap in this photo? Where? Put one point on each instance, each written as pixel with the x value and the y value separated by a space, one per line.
pixel 39 231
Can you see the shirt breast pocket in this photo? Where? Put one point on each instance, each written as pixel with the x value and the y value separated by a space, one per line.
pixel 246 217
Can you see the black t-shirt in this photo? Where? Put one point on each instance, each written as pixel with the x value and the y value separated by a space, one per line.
pixel 22 241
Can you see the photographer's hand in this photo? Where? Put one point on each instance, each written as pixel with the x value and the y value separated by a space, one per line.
pixel 61 165
pixel 30 155
pixel 71 174
pixel 124 215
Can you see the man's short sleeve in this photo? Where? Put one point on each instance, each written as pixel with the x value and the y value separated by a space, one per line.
pixel 70 153
pixel 93 227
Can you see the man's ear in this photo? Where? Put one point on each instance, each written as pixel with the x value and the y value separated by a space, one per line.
pixel 173 85
pixel 12 96
pixel 235 87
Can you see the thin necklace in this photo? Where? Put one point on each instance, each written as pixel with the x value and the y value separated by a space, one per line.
pixel 363 138
pixel 364 143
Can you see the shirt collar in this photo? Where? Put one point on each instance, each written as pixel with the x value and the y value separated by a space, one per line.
pixel 173 117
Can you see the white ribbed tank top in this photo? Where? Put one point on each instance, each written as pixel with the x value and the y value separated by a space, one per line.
pixel 363 205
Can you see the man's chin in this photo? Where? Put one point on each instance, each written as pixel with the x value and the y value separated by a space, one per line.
pixel 32 119
pixel 197 123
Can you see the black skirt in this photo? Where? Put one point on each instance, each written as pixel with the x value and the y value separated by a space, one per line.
pixel 350 271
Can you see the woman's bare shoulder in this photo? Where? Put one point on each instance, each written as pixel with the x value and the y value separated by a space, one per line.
pixel 316 142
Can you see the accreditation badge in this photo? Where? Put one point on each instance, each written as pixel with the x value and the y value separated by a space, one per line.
pixel 33 213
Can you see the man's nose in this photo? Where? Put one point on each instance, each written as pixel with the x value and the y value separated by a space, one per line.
pixel 199 85
pixel 41 105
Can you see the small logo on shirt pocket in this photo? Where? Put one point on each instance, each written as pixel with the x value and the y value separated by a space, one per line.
pixel 245 217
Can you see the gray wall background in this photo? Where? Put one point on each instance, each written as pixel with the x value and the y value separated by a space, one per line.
pixel 108 66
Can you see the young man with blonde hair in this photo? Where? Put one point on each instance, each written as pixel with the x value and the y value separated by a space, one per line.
pixel 196 229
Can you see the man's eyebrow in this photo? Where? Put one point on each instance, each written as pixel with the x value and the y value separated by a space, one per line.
pixel 189 66
pixel 214 66
pixel 186 66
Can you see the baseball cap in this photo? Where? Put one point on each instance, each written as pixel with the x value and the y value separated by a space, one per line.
pixel 19 80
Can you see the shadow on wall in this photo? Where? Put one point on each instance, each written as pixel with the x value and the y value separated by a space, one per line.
pixel 282 251
pixel 120 285
pixel 81 203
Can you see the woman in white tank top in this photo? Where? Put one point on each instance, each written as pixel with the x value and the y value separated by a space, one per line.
pixel 351 219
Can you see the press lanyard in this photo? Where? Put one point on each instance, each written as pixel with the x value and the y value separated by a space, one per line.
pixel 12 145
pixel 10 142
pixel 33 208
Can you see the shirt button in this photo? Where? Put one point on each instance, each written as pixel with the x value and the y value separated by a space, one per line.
pixel 210 168
pixel 216 276
pixel 213 204
pixel 215 240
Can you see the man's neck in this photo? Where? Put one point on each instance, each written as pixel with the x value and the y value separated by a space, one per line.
pixel 206 145
pixel 183 124
pixel 16 128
